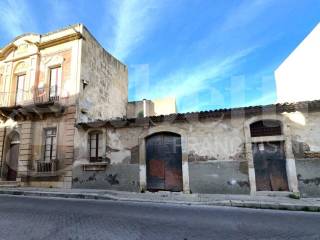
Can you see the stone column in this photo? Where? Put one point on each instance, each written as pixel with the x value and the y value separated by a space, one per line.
pixel 142 165
pixel 68 146
pixel 185 164
pixel 251 171
pixel 2 153
pixel 290 163
pixel 25 148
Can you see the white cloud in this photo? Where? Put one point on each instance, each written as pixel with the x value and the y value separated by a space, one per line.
pixel 185 83
pixel 133 21
pixel 232 33
pixel 245 14
pixel 265 98
pixel 61 13
pixel 15 18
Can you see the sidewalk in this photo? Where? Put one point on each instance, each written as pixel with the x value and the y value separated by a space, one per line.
pixel 247 201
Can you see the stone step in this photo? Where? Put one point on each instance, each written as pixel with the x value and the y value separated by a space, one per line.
pixel 9 184
pixel 273 193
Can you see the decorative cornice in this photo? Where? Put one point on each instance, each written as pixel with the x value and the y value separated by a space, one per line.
pixel 20 58
pixel 61 40
pixel 42 45
pixel 5 51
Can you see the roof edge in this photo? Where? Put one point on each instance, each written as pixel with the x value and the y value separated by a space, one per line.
pixel 40 35
pixel 217 113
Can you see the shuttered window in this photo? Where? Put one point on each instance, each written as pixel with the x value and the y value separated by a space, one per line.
pixel 55 80
pixel 95 146
pixel 20 88
pixel 50 145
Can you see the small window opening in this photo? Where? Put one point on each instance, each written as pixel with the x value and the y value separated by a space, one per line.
pixel 95 146
pixel 265 128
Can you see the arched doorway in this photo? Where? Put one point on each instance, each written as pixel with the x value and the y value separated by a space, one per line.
pixel 164 162
pixel 269 156
pixel 12 156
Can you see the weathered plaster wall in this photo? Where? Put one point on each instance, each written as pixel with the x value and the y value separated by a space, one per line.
pixel 153 107
pixel 306 143
pixel 216 153
pixel 105 95
pixel 308 173
pixel 305 129
pixel 123 177
pixel 215 150
pixel 218 176
pixel 136 109
pixel 120 167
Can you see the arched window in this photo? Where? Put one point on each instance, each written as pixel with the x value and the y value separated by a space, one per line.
pixel 265 128
pixel 95 146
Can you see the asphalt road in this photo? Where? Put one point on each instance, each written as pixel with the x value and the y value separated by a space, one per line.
pixel 42 218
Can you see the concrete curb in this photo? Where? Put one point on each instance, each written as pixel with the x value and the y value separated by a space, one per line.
pixel 226 203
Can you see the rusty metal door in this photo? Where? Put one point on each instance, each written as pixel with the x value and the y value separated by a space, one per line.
pixel 270 166
pixel 164 162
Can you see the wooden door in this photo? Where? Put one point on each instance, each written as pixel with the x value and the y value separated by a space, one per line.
pixel 164 162
pixel 13 162
pixel 270 166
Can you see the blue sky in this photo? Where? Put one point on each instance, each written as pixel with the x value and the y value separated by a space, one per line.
pixel 207 54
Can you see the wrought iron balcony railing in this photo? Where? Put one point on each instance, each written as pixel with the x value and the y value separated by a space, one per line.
pixel 21 97
pixel 41 168
pixel 47 167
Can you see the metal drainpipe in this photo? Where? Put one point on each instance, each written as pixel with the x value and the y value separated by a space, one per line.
pixel 144 107
pixel 2 152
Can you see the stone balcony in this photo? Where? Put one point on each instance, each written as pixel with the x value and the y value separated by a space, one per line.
pixel 30 104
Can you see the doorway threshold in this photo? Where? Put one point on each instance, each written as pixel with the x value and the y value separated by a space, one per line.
pixel 273 193
pixel 9 184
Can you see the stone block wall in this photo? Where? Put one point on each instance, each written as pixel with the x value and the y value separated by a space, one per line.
pixel 2 138
pixel 67 149
pixel 25 148
pixel 104 94
pixel 305 133
pixel 124 177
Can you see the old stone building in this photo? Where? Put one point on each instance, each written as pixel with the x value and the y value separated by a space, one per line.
pixel 67 123
pixel 274 148
pixel 152 107
pixel 48 83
